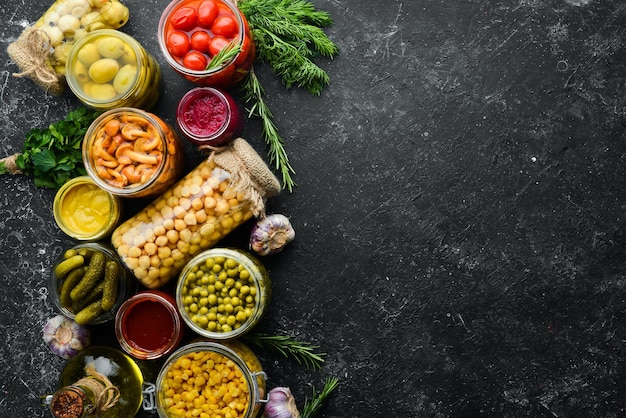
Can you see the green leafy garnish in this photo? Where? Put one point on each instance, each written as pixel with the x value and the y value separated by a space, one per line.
pixel 304 353
pixel 253 93
pixel 53 155
pixel 312 406
pixel 225 54
pixel 288 35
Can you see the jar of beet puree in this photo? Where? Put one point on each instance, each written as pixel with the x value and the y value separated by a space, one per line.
pixel 209 116
pixel 148 325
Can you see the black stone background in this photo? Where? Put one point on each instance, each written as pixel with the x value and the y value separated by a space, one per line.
pixel 460 211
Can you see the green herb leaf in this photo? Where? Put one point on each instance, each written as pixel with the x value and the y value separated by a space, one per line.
pixel 253 94
pixel 312 406
pixel 53 155
pixel 289 34
pixel 226 54
pixel 304 353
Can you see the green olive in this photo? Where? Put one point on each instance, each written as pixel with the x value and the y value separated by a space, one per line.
pixel 88 54
pixel 103 92
pixel 103 70
pixel 110 47
pixel 125 78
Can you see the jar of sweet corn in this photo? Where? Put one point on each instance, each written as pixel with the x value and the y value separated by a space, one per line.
pixel 107 69
pixel 210 378
pixel 222 192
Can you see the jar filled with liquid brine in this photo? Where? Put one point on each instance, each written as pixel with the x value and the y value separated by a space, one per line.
pixel 222 192
pixel 99 382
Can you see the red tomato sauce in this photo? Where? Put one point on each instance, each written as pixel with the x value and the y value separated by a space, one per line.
pixel 148 325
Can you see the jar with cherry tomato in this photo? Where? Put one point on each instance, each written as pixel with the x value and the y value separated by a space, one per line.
pixel 192 32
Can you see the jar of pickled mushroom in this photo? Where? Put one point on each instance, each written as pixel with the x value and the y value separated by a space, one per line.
pixel 230 372
pixel 108 69
pixel 222 192
pixel 132 153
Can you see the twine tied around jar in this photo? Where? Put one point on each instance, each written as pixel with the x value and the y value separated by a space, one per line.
pixel 249 173
pixel 31 52
pixel 106 394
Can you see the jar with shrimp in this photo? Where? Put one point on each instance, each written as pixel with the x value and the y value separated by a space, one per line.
pixel 132 153
pixel 222 192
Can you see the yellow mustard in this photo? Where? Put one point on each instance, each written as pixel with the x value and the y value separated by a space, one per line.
pixel 85 211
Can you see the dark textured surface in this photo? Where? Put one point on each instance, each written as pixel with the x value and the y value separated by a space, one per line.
pixel 460 211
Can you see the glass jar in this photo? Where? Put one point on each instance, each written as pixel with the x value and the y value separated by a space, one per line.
pixel 107 69
pixel 84 211
pixel 172 35
pixel 220 194
pixel 209 116
pixel 62 282
pixel 148 325
pixel 212 360
pixel 132 153
pixel 96 370
pixel 222 293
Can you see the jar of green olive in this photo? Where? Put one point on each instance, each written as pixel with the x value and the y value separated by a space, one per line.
pixel 194 214
pixel 222 293
pixel 108 69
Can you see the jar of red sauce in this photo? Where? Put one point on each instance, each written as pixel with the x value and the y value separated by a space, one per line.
pixel 192 32
pixel 209 116
pixel 148 325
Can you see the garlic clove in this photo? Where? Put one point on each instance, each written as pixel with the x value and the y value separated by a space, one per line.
pixel 271 234
pixel 281 404
pixel 65 337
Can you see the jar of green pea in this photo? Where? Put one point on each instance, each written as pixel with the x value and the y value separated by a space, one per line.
pixel 222 293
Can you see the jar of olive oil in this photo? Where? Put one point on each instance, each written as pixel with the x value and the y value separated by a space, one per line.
pixel 109 69
pixel 98 382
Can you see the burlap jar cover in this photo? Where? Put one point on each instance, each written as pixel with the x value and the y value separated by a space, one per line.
pixel 32 53
pixel 228 188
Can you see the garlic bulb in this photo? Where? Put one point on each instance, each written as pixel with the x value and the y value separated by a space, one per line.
pixel 281 404
pixel 270 234
pixel 65 337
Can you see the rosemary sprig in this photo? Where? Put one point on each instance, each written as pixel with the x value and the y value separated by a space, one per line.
pixel 304 353
pixel 253 94
pixel 225 54
pixel 311 407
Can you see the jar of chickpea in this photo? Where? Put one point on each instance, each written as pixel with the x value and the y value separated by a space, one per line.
pixel 221 193
pixel 210 378
pixel 132 153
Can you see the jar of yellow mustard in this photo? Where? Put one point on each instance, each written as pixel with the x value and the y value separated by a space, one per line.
pixel 85 211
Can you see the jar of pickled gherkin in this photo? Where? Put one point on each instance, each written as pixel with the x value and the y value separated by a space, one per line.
pixel 132 153
pixel 222 192
pixel 107 69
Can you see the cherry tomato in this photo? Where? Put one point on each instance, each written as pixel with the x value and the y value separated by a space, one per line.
pixel 177 43
pixel 207 12
pixel 217 44
pixel 225 26
pixel 195 60
pixel 184 19
pixel 200 41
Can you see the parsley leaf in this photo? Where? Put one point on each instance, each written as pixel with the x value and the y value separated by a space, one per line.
pixel 53 155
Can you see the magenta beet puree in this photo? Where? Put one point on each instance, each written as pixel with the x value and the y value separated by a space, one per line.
pixel 209 116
